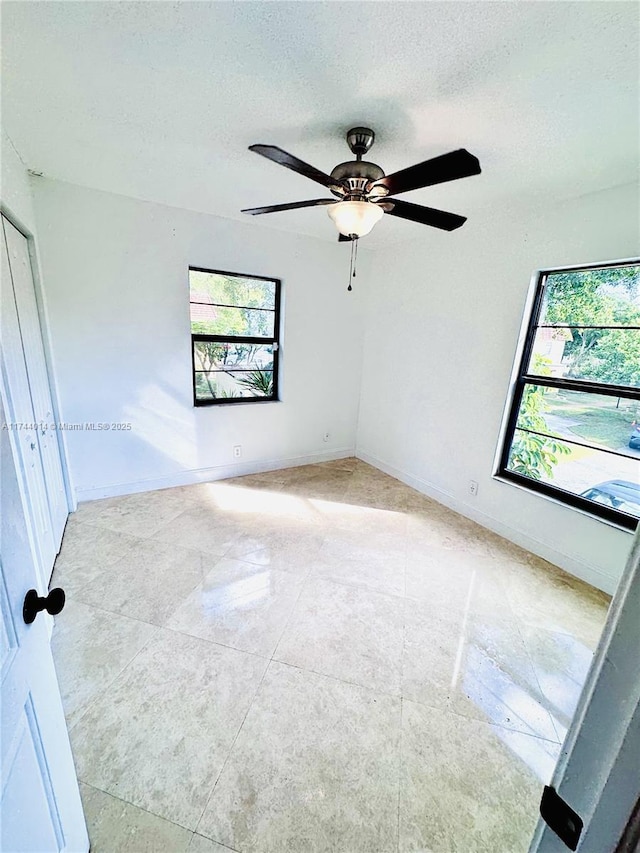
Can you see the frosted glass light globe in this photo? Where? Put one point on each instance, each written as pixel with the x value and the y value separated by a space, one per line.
pixel 355 217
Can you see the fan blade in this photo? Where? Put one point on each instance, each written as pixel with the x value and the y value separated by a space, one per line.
pixel 426 215
pixel 294 205
pixel 283 158
pixel 447 167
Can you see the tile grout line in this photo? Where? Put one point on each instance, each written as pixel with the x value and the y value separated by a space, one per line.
pixel 355 585
pixel 159 816
pixel 448 709
pixel 290 616
pixel 228 756
pixel 166 628
pixel 109 684
pixel 535 675
pixel 136 806
pixel 139 540
pixel 373 690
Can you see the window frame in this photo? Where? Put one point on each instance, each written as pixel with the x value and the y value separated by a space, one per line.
pixel 274 341
pixel 520 378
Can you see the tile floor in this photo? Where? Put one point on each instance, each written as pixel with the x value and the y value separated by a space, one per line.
pixel 312 659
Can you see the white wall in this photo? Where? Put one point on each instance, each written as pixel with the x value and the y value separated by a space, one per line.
pixel 442 322
pixel 117 287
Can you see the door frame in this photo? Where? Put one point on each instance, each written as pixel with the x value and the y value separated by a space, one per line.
pixel 43 317
pixel 596 773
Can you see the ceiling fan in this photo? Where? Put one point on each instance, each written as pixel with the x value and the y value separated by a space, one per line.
pixel 362 189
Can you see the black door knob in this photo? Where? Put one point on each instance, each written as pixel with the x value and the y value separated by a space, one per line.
pixel 34 603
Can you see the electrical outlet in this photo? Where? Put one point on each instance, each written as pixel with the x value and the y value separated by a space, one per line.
pixel 237 451
pixel 473 487
pixel 326 436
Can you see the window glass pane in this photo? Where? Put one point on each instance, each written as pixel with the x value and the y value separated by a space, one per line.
pixel 216 320
pixel 231 290
pixel 594 474
pixel 596 419
pixel 231 356
pixel 608 356
pixel 232 370
pixel 222 385
pixel 606 297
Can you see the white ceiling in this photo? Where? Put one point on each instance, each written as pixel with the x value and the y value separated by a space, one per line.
pixel 160 100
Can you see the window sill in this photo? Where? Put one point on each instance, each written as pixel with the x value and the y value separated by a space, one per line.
pixel 203 404
pixel 617 525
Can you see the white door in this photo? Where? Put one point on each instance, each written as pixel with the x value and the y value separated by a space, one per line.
pixel 40 810
pixel 21 420
pixel 31 334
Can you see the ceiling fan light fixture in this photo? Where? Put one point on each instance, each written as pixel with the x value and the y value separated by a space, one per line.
pixel 355 217
pixel 365 192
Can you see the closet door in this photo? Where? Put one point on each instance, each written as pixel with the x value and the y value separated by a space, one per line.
pixel 21 420
pixel 30 332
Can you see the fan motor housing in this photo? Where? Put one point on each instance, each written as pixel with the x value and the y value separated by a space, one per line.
pixel 357 169
pixel 357 175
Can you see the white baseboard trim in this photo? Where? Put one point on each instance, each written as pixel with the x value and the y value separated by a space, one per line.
pixel 569 563
pixel 205 475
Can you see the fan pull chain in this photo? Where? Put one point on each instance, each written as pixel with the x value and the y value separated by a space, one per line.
pixel 354 259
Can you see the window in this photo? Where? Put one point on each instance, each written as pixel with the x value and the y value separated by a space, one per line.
pixel 234 334
pixel 573 430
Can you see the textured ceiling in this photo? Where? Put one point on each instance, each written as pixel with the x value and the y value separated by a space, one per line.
pixel 160 100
